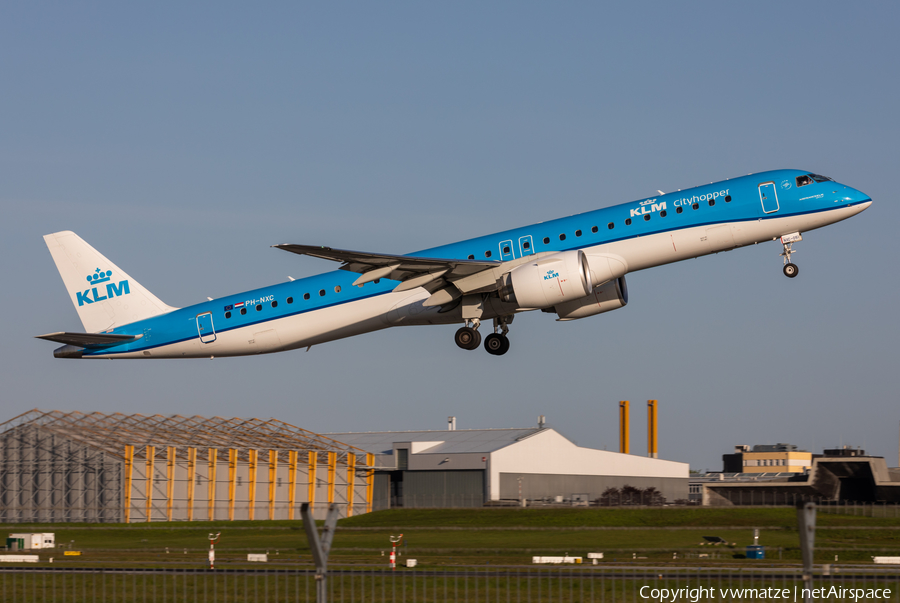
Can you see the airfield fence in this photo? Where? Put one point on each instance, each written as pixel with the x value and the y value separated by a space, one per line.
pixel 559 584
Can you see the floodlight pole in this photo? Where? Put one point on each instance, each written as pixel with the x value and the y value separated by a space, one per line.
pixel 806 526
pixel 320 547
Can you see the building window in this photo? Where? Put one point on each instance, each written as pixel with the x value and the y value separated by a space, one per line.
pixel 403 459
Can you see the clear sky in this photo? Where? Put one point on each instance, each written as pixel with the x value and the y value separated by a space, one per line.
pixel 183 139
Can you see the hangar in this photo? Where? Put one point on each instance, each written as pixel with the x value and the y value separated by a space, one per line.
pixel 473 467
pixel 60 466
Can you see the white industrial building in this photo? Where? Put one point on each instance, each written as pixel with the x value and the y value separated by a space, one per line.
pixel 471 467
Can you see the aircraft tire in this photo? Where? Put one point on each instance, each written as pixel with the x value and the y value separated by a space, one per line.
pixel 496 344
pixel 467 338
pixel 791 270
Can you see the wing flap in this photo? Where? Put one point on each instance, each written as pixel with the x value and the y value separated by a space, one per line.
pixel 87 340
pixel 402 267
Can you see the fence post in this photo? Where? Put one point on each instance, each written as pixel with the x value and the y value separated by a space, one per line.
pixel 319 547
pixel 806 526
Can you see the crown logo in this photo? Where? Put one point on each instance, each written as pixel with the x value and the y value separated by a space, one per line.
pixel 99 276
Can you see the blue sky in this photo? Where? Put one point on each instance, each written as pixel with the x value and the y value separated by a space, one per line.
pixel 183 141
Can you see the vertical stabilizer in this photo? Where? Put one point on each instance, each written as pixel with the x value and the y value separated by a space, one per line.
pixel 104 295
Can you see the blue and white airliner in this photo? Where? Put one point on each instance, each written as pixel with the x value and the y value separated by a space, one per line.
pixel 573 267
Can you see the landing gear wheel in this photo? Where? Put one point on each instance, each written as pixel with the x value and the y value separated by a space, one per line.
pixel 791 270
pixel 468 338
pixel 496 344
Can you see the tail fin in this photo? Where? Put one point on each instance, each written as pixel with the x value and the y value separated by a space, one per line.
pixel 103 294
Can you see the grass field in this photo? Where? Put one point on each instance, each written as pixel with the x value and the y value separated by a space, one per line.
pixel 446 537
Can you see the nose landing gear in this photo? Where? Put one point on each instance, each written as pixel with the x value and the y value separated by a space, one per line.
pixel 787 242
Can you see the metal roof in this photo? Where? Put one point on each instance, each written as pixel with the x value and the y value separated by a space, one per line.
pixel 451 441
pixel 112 432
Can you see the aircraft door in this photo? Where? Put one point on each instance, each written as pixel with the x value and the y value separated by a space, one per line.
pixel 506 251
pixel 526 247
pixel 768 197
pixel 205 328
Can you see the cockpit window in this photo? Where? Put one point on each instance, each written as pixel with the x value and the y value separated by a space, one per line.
pixel 803 180
pixel 819 178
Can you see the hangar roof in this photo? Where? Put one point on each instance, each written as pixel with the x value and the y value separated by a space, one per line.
pixel 112 432
pixel 446 441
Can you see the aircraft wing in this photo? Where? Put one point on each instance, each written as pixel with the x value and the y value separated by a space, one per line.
pixel 86 340
pixel 432 273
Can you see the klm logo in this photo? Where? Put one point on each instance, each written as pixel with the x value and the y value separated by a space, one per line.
pixel 551 274
pixel 91 295
pixel 647 207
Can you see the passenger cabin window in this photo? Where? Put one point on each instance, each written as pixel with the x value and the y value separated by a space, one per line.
pixel 506 249
pixel 546 240
pixel 712 202
pixel 646 217
pixel 258 307
pixel 526 245
pixel 611 225
pixel 628 222
pixel 274 304
pixel 562 237
pixel 727 198
pixel 663 214
pixel 290 300
pixel 471 256
pixel 306 296
pixel 321 292
pixel 228 315
pixel 337 289
pixel 695 206
pixel 243 311
pixel 577 233
pixel 679 209
pixel 594 229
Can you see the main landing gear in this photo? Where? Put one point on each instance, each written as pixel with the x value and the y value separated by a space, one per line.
pixel 790 269
pixel 496 344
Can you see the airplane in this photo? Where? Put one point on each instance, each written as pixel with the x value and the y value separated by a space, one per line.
pixel 573 267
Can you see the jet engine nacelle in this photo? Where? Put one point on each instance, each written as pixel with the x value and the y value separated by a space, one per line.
pixel 548 281
pixel 605 267
pixel 608 296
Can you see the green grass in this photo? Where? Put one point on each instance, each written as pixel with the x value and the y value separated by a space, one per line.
pixel 634 518
pixel 478 536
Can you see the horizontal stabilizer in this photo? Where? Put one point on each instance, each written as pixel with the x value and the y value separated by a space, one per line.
pixel 88 340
